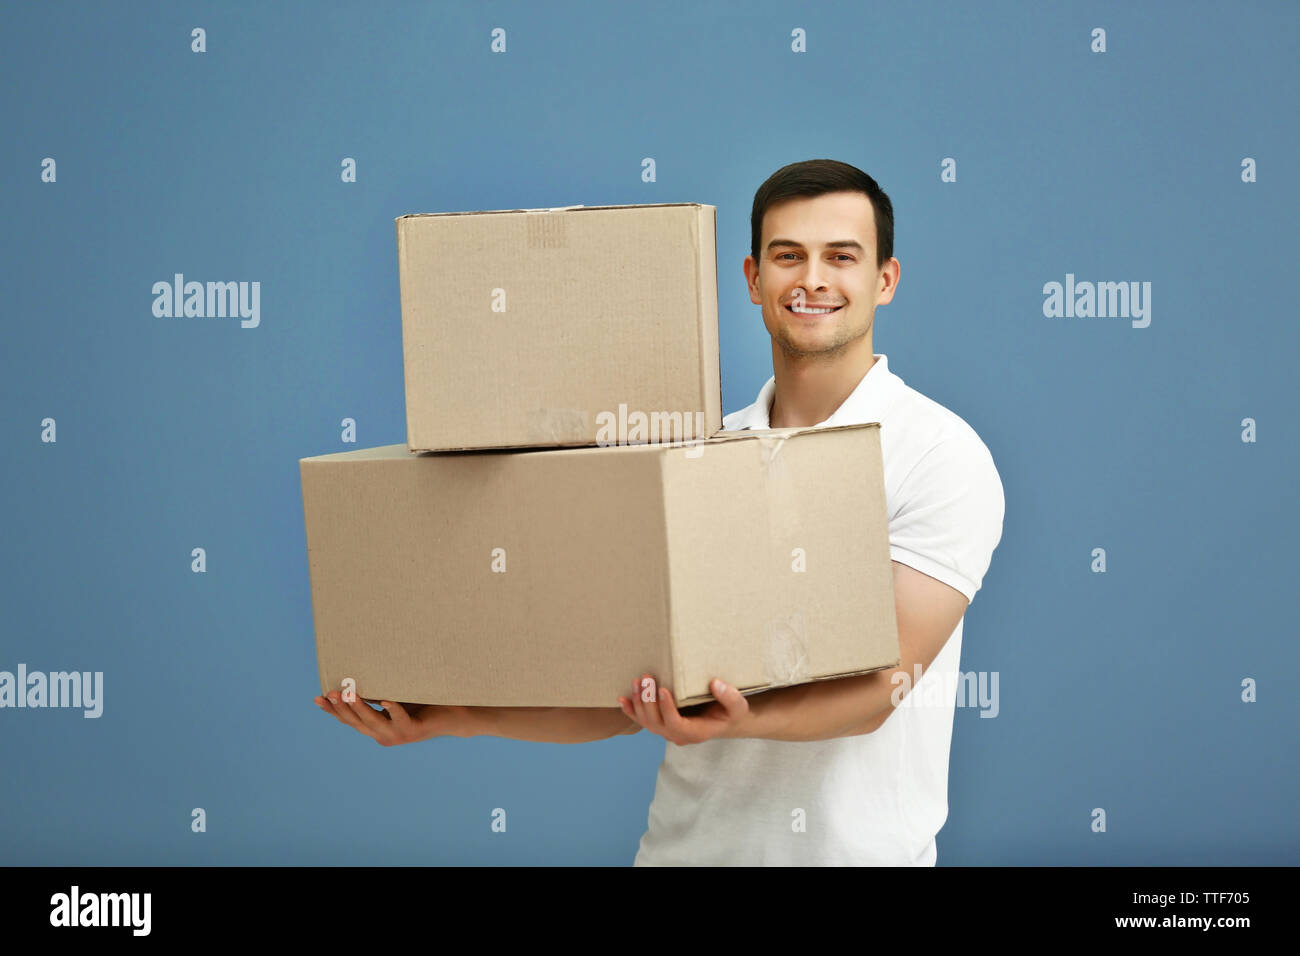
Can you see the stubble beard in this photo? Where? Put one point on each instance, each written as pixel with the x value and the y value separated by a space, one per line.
pixel 844 337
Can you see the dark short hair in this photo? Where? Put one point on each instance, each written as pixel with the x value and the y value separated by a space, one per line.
pixel 813 177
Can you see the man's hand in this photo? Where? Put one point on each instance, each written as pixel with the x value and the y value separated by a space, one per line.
pixel 653 709
pixel 396 723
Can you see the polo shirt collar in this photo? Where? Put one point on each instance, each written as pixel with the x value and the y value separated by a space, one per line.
pixel 866 403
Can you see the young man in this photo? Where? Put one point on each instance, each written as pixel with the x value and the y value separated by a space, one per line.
pixel 838 772
pixel 833 773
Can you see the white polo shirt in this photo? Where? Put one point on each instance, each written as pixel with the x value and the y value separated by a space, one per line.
pixel 877 798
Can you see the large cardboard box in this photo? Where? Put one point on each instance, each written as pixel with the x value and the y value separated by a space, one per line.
pixel 531 327
pixel 555 578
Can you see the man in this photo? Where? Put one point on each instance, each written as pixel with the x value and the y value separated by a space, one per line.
pixel 833 773
pixel 837 772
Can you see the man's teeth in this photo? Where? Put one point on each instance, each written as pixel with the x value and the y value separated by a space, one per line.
pixel 812 311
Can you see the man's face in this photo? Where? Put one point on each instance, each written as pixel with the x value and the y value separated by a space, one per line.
pixel 804 265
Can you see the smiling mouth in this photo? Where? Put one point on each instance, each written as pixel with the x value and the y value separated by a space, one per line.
pixel 816 314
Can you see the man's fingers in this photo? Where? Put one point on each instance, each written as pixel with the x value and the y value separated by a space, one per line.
pixel 376 722
pixel 401 721
pixel 635 702
pixel 649 710
pixel 732 700
pixel 343 711
pixel 674 723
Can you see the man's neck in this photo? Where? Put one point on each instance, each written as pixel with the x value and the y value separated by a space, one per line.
pixel 809 390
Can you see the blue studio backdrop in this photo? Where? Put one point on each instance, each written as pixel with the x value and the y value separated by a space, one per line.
pixel 1135 613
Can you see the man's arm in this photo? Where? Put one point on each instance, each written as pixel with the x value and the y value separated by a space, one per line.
pixel 398 723
pixel 554 725
pixel 928 612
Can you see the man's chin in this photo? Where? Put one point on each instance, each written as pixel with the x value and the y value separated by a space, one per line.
pixel 810 346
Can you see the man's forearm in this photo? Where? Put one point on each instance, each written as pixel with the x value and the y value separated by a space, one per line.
pixel 844 707
pixel 554 725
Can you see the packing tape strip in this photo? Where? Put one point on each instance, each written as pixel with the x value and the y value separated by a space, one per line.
pixel 547 232
pixel 782 512
pixel 769 448
pixel 785 660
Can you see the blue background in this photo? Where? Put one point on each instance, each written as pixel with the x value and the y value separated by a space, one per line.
pixel 1118 690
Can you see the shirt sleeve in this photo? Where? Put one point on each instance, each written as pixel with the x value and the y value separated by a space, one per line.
pixel 949 515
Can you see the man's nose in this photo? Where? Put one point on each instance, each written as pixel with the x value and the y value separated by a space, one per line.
pixel 812 281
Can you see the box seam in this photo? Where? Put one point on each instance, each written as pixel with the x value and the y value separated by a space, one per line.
pixel 677 675
pixel 401 296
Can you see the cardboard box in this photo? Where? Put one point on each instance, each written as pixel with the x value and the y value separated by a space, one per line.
pixel 531 327
pixel 554 578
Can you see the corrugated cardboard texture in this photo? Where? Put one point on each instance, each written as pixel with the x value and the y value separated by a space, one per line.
pixel 650 558
pixel 603 305
pixel 779 560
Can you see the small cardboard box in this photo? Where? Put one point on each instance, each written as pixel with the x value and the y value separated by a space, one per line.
pixel 531 327
pixel 555 578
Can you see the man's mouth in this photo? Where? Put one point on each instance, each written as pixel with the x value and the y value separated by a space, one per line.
pixel 809 310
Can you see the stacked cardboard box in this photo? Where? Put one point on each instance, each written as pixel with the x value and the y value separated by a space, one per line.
pixel 566 513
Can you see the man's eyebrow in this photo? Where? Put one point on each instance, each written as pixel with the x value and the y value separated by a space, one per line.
pixel 837 244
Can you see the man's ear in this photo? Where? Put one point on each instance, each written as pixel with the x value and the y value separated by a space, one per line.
pixel 751 279
pixel 892 271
